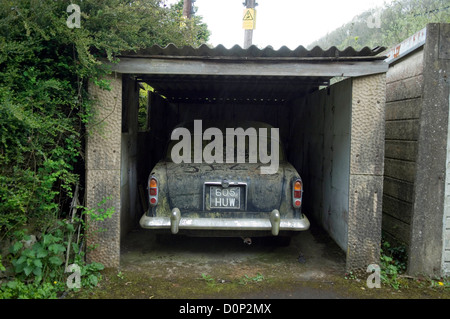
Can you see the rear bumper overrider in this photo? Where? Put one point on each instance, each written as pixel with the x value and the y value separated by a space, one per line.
pixel 274 223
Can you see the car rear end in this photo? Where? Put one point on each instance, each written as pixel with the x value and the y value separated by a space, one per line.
pixel 224 199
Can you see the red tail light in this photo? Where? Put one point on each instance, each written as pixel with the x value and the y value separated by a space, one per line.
pixel 297 193
pixel 153 190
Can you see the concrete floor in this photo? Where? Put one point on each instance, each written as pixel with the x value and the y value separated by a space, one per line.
pixel 311 257
pixel 312 266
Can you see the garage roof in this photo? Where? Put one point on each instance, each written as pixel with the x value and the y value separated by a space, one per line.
pixel 253 75
pixel 253 52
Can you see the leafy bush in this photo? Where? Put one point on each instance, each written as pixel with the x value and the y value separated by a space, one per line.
pixel 44 103
pixel 17 289
pixel 40 267
pixel 45 67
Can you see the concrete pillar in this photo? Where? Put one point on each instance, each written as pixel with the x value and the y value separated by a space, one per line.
pixel 366 171
pixel 103 162
pixel 427 250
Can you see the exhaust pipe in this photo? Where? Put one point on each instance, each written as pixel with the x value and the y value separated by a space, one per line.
pixel 247 240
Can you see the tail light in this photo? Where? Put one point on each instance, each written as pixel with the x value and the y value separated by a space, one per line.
pixel 297 193
pixel 153 190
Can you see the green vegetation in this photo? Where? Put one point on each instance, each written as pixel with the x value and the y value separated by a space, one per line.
pixel 247 279
pixel 39 266
pixel 393 262
pixel 244 280
pixel 45 67
pixel 392 265
pixel 386 26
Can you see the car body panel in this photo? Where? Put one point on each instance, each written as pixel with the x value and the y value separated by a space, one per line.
pixel 224 196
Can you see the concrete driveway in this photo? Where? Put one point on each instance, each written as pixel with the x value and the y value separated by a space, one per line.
pixel 312 266
pixel 248 270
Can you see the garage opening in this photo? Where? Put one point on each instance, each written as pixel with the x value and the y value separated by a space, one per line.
pixel 328 106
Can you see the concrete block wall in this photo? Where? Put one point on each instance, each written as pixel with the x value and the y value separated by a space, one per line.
pixel 103 171
pixel 339 152
pixel 320 151
pixel 404 82
pixel 446 217
pixel 416 199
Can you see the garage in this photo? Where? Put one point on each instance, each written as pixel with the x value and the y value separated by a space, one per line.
pixel 327 104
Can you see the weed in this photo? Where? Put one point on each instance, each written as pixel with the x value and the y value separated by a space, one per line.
pixel 120 275
pixel 208 279
pixel 39 267
pixel 392 264
pixel 350 275
pixel 442 283
pixel 246 279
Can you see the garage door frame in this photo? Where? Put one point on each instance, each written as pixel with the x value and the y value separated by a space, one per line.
pixel 104 168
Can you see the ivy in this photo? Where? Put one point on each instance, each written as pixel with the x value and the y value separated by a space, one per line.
pixel 45 68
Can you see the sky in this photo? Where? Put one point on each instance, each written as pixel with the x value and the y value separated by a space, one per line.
pixel 279 22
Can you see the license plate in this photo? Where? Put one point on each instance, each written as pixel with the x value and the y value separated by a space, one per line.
pixel 229 197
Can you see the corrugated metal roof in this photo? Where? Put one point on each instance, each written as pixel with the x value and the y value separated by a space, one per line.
pixel 221 88
pixel 253 52
pixel 227 89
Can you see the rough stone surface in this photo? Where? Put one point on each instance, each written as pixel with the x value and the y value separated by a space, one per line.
pixel 367 128
pixel 366 172
pixel 364 222
pixel 103 172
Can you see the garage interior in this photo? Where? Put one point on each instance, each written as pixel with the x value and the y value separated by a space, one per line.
pixel 328 105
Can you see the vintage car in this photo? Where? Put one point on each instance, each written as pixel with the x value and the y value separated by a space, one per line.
pixel 193 191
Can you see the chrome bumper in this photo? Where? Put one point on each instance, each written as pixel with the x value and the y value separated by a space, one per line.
pixel 175 222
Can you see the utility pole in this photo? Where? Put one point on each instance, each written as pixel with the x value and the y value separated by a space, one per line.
pixel 187 9
pixel 248 32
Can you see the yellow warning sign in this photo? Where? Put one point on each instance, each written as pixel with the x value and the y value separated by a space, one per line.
pixel 249 21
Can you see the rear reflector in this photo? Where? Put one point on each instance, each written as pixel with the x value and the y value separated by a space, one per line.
pixel 153 190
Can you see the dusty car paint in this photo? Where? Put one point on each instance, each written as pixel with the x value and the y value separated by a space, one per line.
pixel 184 190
